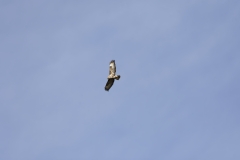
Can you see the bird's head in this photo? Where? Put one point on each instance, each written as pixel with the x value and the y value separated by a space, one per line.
pixel 112 61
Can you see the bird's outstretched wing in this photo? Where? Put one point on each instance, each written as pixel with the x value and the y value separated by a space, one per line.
pixel 109 84
pixel 112 68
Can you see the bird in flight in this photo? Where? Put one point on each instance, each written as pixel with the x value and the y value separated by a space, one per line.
pixel 112 75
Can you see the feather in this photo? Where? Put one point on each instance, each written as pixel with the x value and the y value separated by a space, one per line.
pixel 109 84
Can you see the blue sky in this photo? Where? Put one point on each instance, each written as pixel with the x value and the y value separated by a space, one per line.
pixel 178 96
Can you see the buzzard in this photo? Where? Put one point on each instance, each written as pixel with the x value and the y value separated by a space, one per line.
pixel 112 75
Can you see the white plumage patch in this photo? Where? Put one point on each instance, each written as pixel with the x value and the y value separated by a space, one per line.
pixel 112 65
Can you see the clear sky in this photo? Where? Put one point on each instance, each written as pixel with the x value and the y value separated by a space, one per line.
pixel 179 93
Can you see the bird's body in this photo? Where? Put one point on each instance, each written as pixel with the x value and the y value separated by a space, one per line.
pixel 112 75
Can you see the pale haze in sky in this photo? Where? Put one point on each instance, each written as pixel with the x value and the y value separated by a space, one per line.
pixel 179 93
